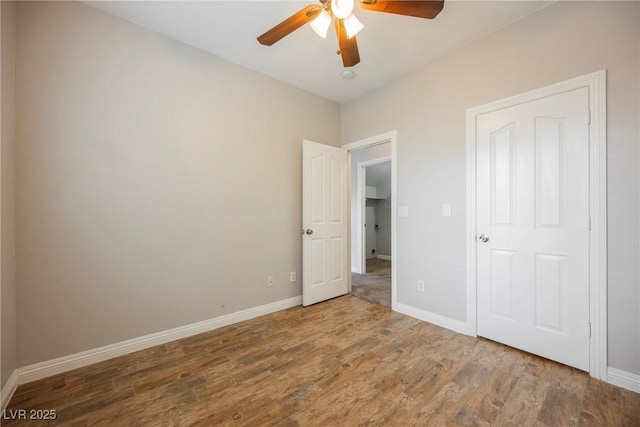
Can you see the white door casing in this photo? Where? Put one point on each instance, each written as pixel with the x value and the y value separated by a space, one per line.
pixel 533 207
pixel 559 243
pixel 325 220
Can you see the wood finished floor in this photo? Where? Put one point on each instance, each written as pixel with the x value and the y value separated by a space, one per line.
pixel 345 362
pixel 379 267
pixel 375 284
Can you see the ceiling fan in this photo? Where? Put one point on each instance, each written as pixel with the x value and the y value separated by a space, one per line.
pixel 346 23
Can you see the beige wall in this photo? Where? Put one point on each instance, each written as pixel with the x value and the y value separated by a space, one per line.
pixel 7 217
pixel 157 185
pixel 427 108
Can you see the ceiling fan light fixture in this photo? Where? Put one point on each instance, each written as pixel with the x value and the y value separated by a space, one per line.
pixel 321 24
pixel 352 25
pixel 342 8
pixel 348 75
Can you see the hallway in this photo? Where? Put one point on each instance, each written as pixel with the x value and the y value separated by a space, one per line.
pixel 375 284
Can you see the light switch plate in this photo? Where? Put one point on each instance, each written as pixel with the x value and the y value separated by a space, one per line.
pixel 446 210
pixel 403 210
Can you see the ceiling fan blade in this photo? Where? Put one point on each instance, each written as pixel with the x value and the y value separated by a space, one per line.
pixel 428 9
pixel 289 25
pixel 348 46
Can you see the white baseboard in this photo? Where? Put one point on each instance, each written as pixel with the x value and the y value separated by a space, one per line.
pixel 9 388
pixel 623 379
pixel 78 360
pixel 384 257
pixel 436 319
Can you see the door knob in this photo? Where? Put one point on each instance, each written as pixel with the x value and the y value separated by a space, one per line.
pixel 309 231
pixel 483 238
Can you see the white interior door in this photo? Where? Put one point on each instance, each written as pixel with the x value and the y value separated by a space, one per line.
pixel 324 218
pixel 533 227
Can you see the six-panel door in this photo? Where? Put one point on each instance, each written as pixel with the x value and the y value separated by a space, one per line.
pixel 324 219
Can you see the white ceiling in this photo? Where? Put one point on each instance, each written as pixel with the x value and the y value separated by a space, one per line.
pixel 390 45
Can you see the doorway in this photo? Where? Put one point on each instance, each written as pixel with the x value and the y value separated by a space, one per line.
pixel 373 283
pixel 372 177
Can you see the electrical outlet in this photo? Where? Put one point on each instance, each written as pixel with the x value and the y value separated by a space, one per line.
pixel 270 281
pixel 421 285
pixel 292 276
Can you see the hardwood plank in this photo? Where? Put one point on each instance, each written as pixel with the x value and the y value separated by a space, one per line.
pixel 443 406
pixel 400 407
pixel 524 402
pixel 488 400
pixel 343 362
pixel 76 409
pixel 57 390
pixel 30 390
pixel 561 407
pixel 630 408
pixel 601 405
pixel 464 418
pixel 155 407
pixel 439 373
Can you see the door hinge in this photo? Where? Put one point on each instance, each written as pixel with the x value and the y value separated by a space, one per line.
pixel 589 328
pixel 588 117
pixel 589 223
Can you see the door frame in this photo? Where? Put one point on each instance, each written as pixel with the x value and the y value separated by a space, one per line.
pixel 392 138
pixel 361 196
pixel 596 82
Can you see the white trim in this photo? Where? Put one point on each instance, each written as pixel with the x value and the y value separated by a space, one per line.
pixel 360 240
pixel 392 138
pixel 78 360
pixel 384 257
pixel 596 82
pixel 624 379
pixel 9 388
pixel 472 318
pixel 374 140
pixel 436 319
pixel 349 243
pixel 366 163
pixel 394 221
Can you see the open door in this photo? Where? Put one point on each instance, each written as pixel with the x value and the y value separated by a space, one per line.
pixel 325 222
